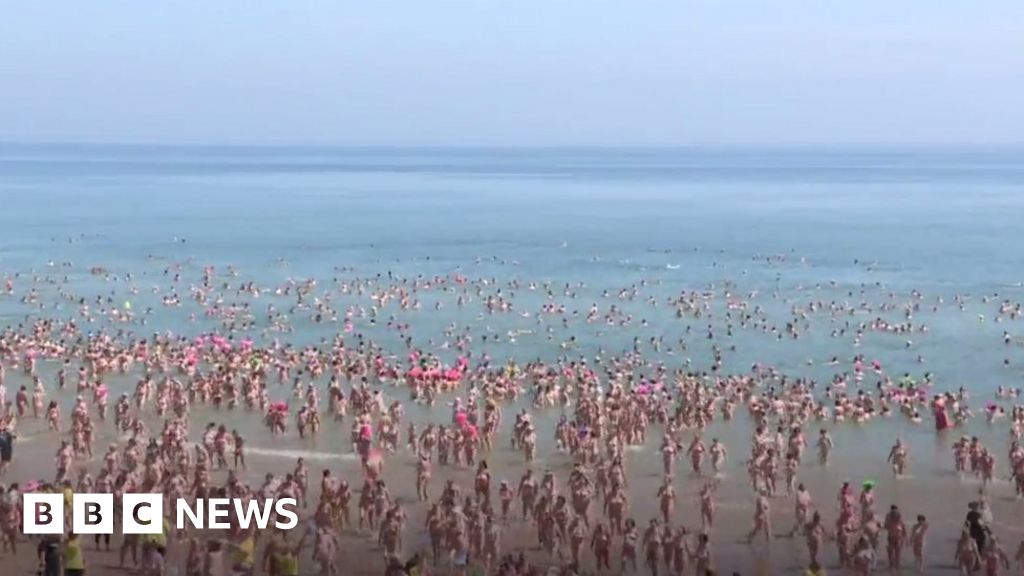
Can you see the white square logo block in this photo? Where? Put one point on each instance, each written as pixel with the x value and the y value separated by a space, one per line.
pixel 142 514
pixel 92 513
pixel 42 513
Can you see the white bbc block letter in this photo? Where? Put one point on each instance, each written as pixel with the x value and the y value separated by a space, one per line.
pixel 142 514
pixel 42 513
pixel 92 513
pixel 219 508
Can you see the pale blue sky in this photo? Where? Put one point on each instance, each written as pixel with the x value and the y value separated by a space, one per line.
pixel 513 72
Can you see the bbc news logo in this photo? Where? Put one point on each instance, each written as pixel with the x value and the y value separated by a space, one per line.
pixel 144 513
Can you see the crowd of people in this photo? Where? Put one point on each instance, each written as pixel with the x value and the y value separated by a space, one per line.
pixel 499 486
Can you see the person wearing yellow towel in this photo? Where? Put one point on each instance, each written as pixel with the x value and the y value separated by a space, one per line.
pixel 288 562
pixel 69 496
pixel 244 554
pixel 71 554
pixel 281 557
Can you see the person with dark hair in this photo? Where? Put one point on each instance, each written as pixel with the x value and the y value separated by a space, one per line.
pixel 6 448
pixel 976 526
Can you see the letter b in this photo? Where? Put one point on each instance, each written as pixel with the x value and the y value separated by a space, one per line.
pixel 92 513
pixel 42 513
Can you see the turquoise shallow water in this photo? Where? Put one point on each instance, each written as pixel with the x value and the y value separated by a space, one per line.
pixel 875 222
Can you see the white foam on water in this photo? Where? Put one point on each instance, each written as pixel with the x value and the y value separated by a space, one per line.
pixel 293 454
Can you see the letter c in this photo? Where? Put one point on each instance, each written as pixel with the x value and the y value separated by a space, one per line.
pixel 135 513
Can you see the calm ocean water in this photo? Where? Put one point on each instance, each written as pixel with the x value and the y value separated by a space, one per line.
pixel 943 222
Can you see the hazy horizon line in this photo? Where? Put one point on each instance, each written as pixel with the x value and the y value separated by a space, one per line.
pixel 780 145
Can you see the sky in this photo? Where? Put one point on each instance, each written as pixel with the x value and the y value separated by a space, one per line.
pixel 513 72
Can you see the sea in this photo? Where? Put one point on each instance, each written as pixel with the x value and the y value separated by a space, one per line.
pixel 778 228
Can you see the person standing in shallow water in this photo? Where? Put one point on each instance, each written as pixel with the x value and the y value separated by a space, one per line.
pixel 898 458
pixel 7 438
pixel 976 527
pixel 941 416
pixel 824 447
